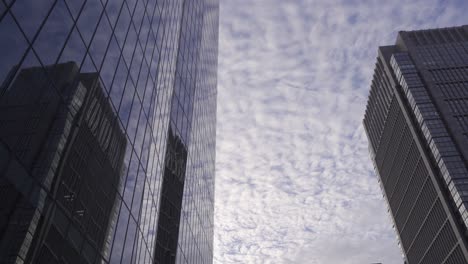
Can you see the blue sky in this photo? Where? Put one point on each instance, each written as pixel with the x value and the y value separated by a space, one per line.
pixel 294 180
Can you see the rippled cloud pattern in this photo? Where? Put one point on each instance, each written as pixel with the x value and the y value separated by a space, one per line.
pixel 294 180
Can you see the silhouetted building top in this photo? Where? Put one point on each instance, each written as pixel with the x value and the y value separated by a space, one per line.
pixel 417 125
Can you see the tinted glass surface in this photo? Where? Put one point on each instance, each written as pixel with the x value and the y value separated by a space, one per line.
pixel 107 130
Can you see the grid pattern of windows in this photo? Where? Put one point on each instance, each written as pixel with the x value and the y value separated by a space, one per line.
pixel 421 219
pixel 98 99
pixel 412 199
pixel 445 58
pixel 380 98
pixel 438 140
pixel 453 83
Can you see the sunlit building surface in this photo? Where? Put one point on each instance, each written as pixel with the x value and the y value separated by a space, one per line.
pixel 107 130
pixel 417 125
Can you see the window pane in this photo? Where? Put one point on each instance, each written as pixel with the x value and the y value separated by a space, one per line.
pixel 74 6
pixel 100 42
pixel 75 49
pixel 89 18
pixel 30 14
pixel 12 46
pixel 53 35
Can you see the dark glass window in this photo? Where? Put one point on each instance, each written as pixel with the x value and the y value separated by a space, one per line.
pixel 56 30
pixel 31 15
pixel 12 46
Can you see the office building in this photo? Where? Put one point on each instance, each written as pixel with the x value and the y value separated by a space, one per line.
pixel 417 126
pixel 107 131
pixel 51 147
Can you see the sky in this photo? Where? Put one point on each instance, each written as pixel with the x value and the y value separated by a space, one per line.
pixel 294 182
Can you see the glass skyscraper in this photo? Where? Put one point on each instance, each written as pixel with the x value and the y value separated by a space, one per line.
pixel 107 130
pixel 417 125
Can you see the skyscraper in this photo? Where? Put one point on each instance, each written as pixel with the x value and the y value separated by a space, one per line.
pixel 107 130
pixel 417 125
pixel 52 146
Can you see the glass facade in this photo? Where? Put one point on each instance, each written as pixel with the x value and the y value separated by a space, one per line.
pixel 107 130
pixel 417 138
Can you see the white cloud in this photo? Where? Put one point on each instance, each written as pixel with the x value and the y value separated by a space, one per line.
pixel 294 180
